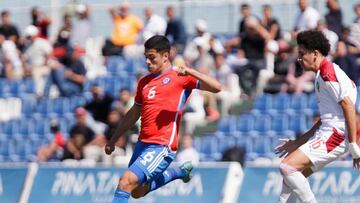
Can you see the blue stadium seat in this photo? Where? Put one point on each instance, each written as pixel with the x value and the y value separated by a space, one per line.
pixel 281 102
pixel 245 123
pixel 227 124
pixel 313 102
pixel 262 124
pixel 263 102
pixel 298 123
pixel 226 143
pixel 280 123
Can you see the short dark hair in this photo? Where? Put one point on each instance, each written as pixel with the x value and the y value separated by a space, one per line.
pixel 159 43
pixel 4 13
pixel 313 40
pixel 245 5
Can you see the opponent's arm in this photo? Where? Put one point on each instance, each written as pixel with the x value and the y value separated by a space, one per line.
pixel 206 82
pixel 129 120
pixel 350 120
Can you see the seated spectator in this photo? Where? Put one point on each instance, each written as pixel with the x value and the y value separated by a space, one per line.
pixel 194 114
pixel 12 67
pixel 307 18
pixel 113 120
pixel 56 147
pixel 68 76
pixel 330 35
pixel 230 93
pixel 100 105
pixel 81 136
pixel 36 56
pixel 125 31
pixel 298 81
pixel 187 152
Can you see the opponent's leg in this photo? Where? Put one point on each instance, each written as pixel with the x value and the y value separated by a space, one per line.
pixel 291 169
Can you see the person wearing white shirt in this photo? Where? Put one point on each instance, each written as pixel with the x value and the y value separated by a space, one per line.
pixel 187 151
pixel 307 18
pixel 154 24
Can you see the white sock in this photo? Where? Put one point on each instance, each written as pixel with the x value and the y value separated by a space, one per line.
pixel 298 183
pixel 287 195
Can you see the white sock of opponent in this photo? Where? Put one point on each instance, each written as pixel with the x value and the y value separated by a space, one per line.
pixel 287 195
pixel 298 183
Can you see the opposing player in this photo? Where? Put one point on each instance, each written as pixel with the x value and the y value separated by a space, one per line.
pixel 333 134
pixel 159 101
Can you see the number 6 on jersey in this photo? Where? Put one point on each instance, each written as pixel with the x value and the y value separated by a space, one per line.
pixel 152 92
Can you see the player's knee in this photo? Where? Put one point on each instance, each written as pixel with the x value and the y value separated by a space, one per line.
pixel 128 181
pixel 286 169
pixel 137 195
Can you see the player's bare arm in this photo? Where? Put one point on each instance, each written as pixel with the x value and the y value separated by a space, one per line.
pixel 129 120
pixel 206 82
pixel 289 145
pixel 350 118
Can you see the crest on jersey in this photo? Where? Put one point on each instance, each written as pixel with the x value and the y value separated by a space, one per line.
pixel 166 80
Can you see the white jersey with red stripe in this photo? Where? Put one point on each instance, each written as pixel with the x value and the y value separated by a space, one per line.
pixel 331 86
pixel 330 141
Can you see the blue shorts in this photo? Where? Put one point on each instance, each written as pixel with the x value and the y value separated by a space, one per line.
pixel 149 161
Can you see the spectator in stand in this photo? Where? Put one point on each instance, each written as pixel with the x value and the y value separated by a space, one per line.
pixel 120 147
pixel 209 44
pixel 56 147
pixel 270 23
pixel 68 75
pixel 307 18
pixel 41 21
pixel 235 42
pixel 334 17
pixel 125 102
pixel 330 35
pixel 100 105
pixel 81 136
pixel 353 40
pixel 230 93
pixel 7 29
pixel 13 68
pixel 36 56
pixel 347 62
pixel 175 30
pixel 125 31
pixel 154 24
pixel 187 152
pixel 63 37
pixel 83 27
pixel 5 65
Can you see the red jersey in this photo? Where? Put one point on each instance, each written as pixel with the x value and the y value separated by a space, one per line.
pixel 162 98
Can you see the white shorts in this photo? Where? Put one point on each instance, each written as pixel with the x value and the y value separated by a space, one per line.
pixel 325 146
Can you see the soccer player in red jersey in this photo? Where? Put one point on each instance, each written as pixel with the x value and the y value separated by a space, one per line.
pixel 333 134
pixel 159 101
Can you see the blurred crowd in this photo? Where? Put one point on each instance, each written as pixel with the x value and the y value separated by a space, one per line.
pixel 261 57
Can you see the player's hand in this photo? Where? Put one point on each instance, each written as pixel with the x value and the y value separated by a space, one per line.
pixel 109 148
pixel 356 164
pixel 286 147
pixel 181 70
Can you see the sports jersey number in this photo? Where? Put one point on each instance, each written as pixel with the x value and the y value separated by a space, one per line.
pixel 148 158
pixel 152 92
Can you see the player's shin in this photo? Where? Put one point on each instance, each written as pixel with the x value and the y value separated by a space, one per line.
pixel 121 196
pixel 169 175
pixel 287 195
pixel 298 183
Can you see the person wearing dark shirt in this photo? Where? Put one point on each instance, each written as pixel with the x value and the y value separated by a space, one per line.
pixel 245 12
pixel 347 62
pixel 68 75
pixel 100 105
pixel 175 30
pixel 334 17
pixel 270 23
pixel 7 29
pixel 80 136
